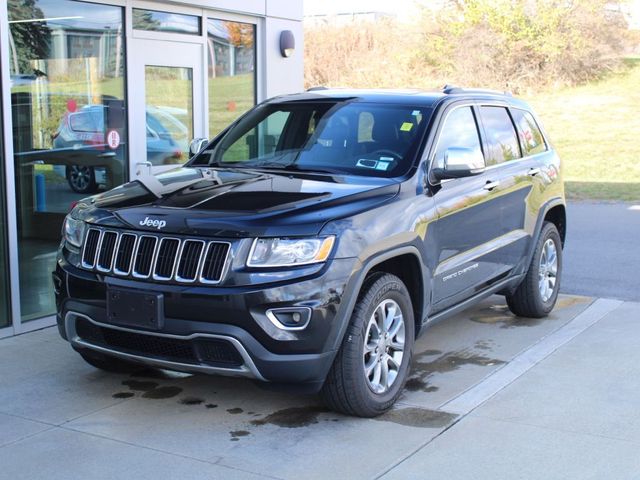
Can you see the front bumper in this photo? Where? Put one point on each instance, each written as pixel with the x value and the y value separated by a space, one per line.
pixel 214 329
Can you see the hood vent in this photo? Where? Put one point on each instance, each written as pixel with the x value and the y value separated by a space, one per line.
pixel 155 257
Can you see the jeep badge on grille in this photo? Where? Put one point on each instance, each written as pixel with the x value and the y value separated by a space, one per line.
pixel 147 222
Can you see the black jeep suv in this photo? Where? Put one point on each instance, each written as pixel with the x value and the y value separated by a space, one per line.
pixel 311 241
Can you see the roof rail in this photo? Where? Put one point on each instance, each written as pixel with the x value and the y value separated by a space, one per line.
pixel 453 89
pixel 313 89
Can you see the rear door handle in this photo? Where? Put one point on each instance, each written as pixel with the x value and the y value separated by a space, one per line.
pixel 491 185
pixel 533 172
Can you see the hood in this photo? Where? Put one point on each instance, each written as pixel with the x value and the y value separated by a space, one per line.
pixel 237 202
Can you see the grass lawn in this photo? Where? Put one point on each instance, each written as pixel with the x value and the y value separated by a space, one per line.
pixel 596 129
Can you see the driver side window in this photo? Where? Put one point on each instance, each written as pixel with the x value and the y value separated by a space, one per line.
pixel 459 130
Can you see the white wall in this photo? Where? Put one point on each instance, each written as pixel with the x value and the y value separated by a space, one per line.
pixel 282 75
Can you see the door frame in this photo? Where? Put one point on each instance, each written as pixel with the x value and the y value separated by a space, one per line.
pixel 159 52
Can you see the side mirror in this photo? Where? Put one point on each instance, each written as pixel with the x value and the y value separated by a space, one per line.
pixel 197 144
pixel 460 162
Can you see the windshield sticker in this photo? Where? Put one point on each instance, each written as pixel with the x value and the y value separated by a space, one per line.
pixel 383 165
pixel 406 126
pixel 366 163
pixel 415 113
pixel 386 159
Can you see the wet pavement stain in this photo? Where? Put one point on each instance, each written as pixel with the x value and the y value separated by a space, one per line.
pixel 162 393
pixel 123 395
pixel 191 401
pixel 139 385
pixel 484 345
pixel 418 417
pixel 421 370
pixel 430 352
pixel 234 411
pixel 211 405
pixel 236 434
pixel 294 417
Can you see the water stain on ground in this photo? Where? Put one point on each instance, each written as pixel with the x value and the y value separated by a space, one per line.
pixel 139 385
pixel 294 417
pixel 162 393
pixel 211 405
pixel 234 411
pixel 236 434
pixel 418 417
pixel 422 369
pixel 123 395
pixel 191 401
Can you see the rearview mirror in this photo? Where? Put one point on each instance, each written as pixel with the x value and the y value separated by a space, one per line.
pixel 197 144
pixel 460 162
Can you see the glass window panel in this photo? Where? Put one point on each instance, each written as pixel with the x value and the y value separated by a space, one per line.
pixel 152 20
pixel 66 64
pixel 530 135
pixel 501 135
pixel 169 104
pixel 5 316
pixel 459 130
pixel 232 77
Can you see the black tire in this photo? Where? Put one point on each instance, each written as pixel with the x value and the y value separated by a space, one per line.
pixel 347 388
pixel 527 300
pixel 108 363
pixel 82 179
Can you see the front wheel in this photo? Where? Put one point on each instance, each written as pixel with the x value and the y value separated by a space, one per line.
pixel 536 296
pixel 372 365
pixel 82 179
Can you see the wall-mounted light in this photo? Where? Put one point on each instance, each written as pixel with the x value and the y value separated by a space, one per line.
pixel 287 43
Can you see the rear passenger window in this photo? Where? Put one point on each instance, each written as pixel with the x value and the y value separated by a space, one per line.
pixel 530 135
pixel 501 135
pixel 459 130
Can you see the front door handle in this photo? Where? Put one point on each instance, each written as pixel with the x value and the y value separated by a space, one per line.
pixel 533 171
pixel 491 185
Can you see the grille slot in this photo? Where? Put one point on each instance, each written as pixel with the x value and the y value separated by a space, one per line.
pixel 91 248
pixel 107 251
pixel 144 256
pixel 214 262
pixel 189 260
pixel 167 254
pixel 124 255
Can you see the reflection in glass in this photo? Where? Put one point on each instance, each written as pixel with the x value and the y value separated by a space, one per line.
pixel 165 22
pixel 169 104
pixel 69 124
pixel 232 76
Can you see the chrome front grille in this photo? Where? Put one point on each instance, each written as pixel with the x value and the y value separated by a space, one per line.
pixel 157 257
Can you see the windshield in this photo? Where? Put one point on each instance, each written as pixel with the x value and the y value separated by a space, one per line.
pixel 336 137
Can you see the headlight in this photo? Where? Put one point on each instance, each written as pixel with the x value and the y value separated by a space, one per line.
pixel 287 252
pixel 73 230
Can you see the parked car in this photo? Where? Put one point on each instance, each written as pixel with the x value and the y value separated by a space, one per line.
pixel 311 242
pixel 86 128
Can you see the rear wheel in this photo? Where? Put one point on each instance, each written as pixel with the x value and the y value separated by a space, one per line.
pixel 372 364
pixel 537 294
pixel 82 179
pixel 108 363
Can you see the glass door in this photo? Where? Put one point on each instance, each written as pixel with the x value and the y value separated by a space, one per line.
pixel 166 103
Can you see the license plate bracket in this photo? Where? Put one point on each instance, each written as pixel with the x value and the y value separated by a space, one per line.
pixel 135 308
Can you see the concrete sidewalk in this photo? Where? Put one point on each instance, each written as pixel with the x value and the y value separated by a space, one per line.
pixel 565 406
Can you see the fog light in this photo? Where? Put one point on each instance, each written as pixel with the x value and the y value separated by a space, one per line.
pixel 290 318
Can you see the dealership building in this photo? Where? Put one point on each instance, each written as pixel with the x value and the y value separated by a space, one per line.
pixel 96 93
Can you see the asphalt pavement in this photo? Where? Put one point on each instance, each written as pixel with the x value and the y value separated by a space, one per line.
pixel 602 250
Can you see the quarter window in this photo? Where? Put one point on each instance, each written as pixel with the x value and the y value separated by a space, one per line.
pixel 531 138
pixel 501 135
pixel 459 130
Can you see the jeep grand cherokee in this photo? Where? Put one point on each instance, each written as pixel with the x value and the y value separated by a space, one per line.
pixel 311 241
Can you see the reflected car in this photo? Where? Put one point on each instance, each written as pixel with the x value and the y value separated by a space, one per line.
pixel 86 128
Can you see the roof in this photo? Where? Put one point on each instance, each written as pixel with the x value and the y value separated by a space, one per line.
pixel 415 97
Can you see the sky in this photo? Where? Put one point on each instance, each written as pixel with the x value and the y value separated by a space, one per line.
pixel 402 8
